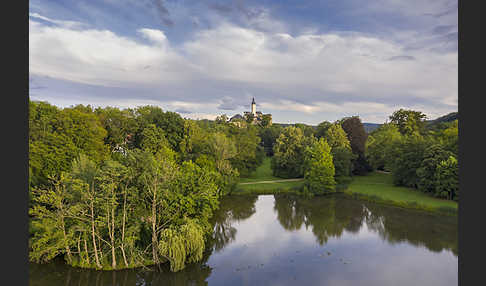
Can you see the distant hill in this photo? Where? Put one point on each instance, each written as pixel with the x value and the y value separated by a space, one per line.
pixel 370 126
pixel 446 118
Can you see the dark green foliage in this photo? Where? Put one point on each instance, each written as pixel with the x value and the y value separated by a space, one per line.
pixel 447 177
pixel 268 137
pixel 357 138
pixel 322 129
pixel 407 156
pixel 433 156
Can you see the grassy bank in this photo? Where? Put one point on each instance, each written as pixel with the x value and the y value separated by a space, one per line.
pixel 253 184
pixel 378 187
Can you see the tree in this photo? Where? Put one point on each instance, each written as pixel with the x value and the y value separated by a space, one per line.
pixel 357 138
pixel 340 150
pixel 306 129
pixel 288 158
pixel 266 120
pixel 319 168
pixel 268 137
pixel 172 124
pixel 447 176
pixel 426 173
pixel 153 139
pixel 322 129
pixel 409 121
pixel 249 117
pixel 379 144
pixel 50 214
pixel 407 156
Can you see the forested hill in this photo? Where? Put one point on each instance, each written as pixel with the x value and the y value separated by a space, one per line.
pixel 446 118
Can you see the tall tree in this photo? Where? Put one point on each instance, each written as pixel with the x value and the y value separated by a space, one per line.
pixel 288 158
pixel 409 121
pixel 357 138
pixel 319 168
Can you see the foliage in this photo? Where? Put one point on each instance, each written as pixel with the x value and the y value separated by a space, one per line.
pixel 322 129
pixel 319 168
pixel 409 121
pixel 407 158
pixel 426 173
pixel 357 139
pixel 266 120
pixel 269 137
pixel 287 161
pixel 379 144
pixel 447 176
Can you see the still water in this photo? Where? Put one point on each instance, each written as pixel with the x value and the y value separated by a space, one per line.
pixel 287 240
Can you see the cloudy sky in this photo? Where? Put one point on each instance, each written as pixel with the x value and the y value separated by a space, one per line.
pixel 303 61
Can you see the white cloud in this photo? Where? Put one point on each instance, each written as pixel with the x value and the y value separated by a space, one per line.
pixel 309 73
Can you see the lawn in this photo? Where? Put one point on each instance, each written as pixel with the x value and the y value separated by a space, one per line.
pixel 379 187
pixel 264 173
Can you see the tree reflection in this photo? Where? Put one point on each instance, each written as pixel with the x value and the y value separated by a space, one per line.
pixel 330 216
pixel 435 232
pixel 231 209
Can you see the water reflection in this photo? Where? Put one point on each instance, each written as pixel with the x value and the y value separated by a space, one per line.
pixel 330 216
pixel 288 240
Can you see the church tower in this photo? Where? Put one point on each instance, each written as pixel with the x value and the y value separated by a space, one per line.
pixel 253 107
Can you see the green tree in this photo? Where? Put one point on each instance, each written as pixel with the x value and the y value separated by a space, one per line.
pixel 379 145
pixel 288 158
pixel 322 129
pixel 426 173
pixel 319 168
pixel 409 121
pixel 266 120
pixel 447 176
pixel 341 151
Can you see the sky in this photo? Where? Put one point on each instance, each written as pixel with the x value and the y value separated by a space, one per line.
pixel 302 61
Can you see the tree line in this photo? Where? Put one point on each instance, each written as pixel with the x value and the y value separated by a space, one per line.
pixel 120 188
pixel 418 155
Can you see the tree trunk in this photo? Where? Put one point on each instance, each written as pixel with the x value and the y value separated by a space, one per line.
pixel 123 227
pixel 154 226
pixel 86 250
pixel 93 236
pixel 66 244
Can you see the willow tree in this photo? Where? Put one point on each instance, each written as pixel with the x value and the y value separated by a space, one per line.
pixel 50 214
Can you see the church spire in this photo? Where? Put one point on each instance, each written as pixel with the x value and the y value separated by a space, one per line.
pixel 253 101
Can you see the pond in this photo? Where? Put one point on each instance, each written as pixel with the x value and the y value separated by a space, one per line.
pixel 289 240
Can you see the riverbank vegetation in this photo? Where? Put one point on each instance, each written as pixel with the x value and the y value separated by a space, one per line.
pixel 114 189
pixel 378 187
pixel 121 188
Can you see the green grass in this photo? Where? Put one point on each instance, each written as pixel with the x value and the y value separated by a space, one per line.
pixel 264 173
pixel 378 187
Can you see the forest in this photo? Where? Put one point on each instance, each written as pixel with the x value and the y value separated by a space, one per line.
pixel 118 188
